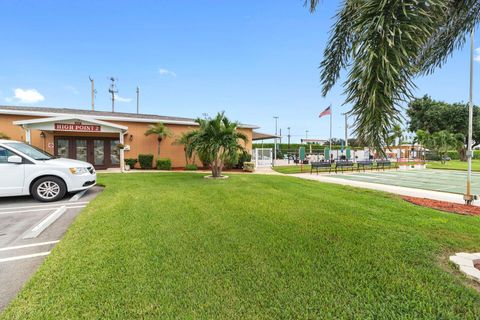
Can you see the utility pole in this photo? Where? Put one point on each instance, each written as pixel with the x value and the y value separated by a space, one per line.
pixel 346 129
pixel 288 148
pixel 92 82
pixel 280 136
pixel 288 138
pixel 138 100
pixel 275 141
pixel 306 136
pixel 113 90
pixel 468 197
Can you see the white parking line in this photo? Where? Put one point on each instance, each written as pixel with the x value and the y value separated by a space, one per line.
pixel 46 209
pixel 29 245
pixel 45 223
pixel 27 256
pixel 78 195
pixel 54 206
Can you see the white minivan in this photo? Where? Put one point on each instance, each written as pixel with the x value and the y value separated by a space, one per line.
pixel 27 170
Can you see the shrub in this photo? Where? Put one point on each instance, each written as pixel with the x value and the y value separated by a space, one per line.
pixel 242 158
pixel 249 166
pixel 476 154
pixel 131 162
pixel 164 164
pixel 191 167
pixel 145 161
pixel 453 155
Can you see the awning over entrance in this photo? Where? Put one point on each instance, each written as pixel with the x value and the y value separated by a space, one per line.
pixel 74 124
pixel 71 123
pixel 263 136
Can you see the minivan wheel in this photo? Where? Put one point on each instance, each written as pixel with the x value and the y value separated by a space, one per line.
pixel 48 189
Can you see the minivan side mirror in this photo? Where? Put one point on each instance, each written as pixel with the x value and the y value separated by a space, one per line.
pixel 15 159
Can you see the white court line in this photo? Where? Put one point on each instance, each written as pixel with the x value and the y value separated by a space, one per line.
pixel 33 210
pixel 54 206
pixel 45 223
pixel 78 195
pixel 27 256
pixel 29 245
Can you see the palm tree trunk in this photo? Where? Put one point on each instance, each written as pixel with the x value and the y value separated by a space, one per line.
pixel 158 148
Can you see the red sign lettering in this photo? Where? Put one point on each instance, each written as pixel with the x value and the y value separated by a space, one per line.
pixel 77 127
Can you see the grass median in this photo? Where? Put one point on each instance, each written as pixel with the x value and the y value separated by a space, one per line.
pixel 454 165
pixel 176 246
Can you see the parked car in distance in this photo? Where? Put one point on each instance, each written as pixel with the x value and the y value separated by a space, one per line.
pixel 27 170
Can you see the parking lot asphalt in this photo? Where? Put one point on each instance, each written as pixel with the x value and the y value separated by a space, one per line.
pixel 28 232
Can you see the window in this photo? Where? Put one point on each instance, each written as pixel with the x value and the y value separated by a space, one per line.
pixel 4 154
pixel 114 152
pixel 30 151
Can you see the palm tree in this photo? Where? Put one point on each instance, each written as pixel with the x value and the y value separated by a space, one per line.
pixel 185 139
pixel 385 45
pixel 217 140
pixel 160 131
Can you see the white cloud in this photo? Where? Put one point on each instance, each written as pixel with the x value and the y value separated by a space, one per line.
pixel 122 99
pixel 477 55
pixel 71 89
pixel 165 72
pixel 26 96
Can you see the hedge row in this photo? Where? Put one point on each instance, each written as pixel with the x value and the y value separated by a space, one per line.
pixel 283 147
pixel 452 154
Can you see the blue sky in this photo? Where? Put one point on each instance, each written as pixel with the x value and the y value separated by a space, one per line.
pixel 253 59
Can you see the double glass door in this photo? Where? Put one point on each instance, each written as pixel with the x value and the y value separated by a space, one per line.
pixel 101 152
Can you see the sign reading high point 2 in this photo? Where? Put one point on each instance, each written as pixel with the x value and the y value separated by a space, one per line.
pixel 77 126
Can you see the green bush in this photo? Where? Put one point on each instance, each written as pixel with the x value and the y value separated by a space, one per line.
pixel 242 158
pixel 145 161
pixel 476 154
pixel 249 166
pixel 131 162
pixel 453 155
pixel 164 164
pixel 432 156
pixel 191 167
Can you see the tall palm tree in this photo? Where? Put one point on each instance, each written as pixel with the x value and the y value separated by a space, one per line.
pixel 217 140
pixel 396 134
pixel 384 45
pixel 160 131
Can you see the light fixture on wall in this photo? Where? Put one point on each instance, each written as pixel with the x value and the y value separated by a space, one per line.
pixel 43 135
pixel 131 137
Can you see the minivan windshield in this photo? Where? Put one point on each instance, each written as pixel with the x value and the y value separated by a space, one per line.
pixel 30 151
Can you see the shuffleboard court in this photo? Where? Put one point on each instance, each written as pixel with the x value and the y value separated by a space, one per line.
pixel 427 179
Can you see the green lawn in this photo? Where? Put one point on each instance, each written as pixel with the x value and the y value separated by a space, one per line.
pixel 178 246
pixel 454 165
pixel 292 169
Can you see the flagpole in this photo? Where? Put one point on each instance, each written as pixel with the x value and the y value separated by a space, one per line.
pixel 331 114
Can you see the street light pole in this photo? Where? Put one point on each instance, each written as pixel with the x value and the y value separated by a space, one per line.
pixel 346 129
pixel 468 197
pixel 288 148
pixel 288 138
pixel 275 142
pixel 306 136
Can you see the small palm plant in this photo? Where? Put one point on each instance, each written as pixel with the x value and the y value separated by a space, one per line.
pixel 160 131
pixel 185 140
pixel 217 140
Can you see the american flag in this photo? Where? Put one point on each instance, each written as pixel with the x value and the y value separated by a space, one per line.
pixel 326 112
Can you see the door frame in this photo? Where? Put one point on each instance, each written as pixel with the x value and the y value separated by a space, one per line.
pixel 90 149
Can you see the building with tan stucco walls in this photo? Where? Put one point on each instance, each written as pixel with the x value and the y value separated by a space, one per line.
pixel 93 136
